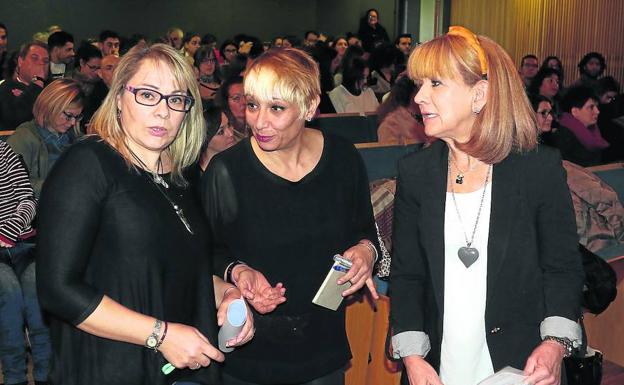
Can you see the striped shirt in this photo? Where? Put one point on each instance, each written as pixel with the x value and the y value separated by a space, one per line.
pixel 17 200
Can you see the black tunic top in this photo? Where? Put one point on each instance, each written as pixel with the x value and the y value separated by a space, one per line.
pixel 289 231
pixel 105 229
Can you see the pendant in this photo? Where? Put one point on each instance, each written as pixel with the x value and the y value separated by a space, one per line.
pixel 468 255
pixel 459 179
pixel 180 213
pixel 159 179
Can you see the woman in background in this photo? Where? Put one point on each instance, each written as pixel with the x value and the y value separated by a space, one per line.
pixel 209 74
pixel 19 306
pixel 57 115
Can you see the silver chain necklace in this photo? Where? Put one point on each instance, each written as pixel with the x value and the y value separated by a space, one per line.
pixel 158 181
pixel 459 179
pixel 468 254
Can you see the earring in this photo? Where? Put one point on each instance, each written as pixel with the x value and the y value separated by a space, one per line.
pixel 476 110
pixel 118 114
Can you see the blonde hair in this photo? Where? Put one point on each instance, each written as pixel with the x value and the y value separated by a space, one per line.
pixel 507 122
pixel 55 98
pixel 290 72
pixel 186 147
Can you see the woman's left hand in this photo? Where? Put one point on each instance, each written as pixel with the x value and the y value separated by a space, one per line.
pixel 248 329
pixel 544 365
pixel 361 270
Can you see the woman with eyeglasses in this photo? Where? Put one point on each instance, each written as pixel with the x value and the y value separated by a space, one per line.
pixel 220 135
pixel 234 104
pixel 57 114
pixel 209 75
pixel 545 116
pixel 123 262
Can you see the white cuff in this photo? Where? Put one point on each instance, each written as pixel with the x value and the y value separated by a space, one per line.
pixel 410 343
pixel 561 327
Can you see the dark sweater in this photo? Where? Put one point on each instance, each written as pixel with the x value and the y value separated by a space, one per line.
pixel 289 231
pixel 16 103
pixel 105 229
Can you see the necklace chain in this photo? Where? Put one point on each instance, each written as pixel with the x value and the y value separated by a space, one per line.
pixel 474 230
pixel 459 179
pixel 158 181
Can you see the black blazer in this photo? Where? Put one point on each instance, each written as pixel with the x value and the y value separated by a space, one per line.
pixel 534 268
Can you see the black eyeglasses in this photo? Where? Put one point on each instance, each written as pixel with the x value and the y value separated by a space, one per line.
pixel 149 97
pixel 69 117
pixel 545 113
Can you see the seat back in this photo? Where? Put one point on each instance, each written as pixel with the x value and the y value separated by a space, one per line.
pixel 381 159
pixel 353 127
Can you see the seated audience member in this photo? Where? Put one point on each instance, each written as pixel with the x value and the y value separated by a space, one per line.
pixel 353 40
pixel 383 61
pixel 351 53
pixel 61 46
pixel 611 107
pixel 190 45
pixel 591 67
pixel 555 62
pixel 251 48
pixel 4 53
pixel 109 43
pixel 174 37
pixel 340 46
pixel 134 39
pixel 40 142
pixel 18 94
pixel 278 42
pixel 88 75
pixel 220 135
pixel 528 69
pixel 234 104
pixel 209 77
pixel 209 40
pixel 19 306
pixel 371 32
pixel 578 137
pixel 228 51
pixel 310 38
pixel 546 83
pixel 353 95
pixel 399 116
pixel 90 64
pixel 544 112
pixel 404 43
pixel 107 70
pixel 291 41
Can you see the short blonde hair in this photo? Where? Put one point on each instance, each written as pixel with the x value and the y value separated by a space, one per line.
pixel 186 147
pixel 55 98
pixel 289 71
pixel 507 122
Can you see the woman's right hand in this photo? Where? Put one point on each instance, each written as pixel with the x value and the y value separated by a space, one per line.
pixel 185 347
pixel 419 372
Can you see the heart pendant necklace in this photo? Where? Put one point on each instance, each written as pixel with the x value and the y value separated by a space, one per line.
pixel 467 254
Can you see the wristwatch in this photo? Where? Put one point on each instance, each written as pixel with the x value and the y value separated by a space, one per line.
pixel 565 342
pixel 152 340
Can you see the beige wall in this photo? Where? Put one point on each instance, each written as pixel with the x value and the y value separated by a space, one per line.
pixel 565 28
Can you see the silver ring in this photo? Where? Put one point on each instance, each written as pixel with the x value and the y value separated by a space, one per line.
pixel 197 366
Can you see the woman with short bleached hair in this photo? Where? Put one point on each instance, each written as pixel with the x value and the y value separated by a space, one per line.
pixel 285 201
pixel 485 271
pixel 123 254
pixel 57 114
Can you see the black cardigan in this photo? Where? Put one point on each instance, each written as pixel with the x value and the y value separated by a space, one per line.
pixel 534 268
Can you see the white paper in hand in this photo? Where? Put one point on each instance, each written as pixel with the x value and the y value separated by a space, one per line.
pixel 505 376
